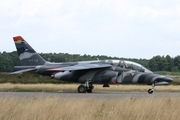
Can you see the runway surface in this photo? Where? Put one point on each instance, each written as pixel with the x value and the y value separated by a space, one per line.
pixel 98 95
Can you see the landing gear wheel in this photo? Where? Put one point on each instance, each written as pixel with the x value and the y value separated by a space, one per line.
pixel 87 87
pixel 82 89
pixel 150 91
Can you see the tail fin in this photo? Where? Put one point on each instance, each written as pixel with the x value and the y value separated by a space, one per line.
pixel 27 55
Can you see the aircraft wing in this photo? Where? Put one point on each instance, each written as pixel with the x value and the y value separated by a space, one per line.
pixel 24 70
pixel 80 67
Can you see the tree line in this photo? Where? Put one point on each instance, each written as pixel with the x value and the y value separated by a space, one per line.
pixel 158 63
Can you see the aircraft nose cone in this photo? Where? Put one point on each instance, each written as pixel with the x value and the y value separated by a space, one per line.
pixel 168 79
pixel 163 80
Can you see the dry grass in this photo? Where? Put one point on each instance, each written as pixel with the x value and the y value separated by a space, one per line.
pixel 73 88
pixel 56 108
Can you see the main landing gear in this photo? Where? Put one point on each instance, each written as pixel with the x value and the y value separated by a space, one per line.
pixel 150 91
pixel 86 88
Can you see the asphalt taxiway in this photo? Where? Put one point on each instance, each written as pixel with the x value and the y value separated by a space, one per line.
pixel 97 95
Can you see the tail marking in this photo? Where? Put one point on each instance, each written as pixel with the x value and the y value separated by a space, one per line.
pixel 17 39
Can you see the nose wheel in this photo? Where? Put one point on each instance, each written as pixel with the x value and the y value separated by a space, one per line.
pixel 150 91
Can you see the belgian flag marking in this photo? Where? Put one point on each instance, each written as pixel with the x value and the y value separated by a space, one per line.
pixel 17 38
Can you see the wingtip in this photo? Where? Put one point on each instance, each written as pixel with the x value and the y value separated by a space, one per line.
pixel 17 38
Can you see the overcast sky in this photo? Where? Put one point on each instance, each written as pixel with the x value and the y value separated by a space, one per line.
pixel 117 28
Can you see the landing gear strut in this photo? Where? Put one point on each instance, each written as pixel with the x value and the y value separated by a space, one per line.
pixel 150 91
pixel 86 88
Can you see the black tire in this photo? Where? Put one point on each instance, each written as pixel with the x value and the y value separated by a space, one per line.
pixel 150 91
pixel 89 90
pixel 82 89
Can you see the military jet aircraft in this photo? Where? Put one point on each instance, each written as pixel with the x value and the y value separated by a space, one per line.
pixel 87 72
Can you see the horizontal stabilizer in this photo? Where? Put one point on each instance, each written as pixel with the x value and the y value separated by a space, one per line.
pixel 24 70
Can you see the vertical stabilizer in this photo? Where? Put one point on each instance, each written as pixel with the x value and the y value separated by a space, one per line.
pixel 27 55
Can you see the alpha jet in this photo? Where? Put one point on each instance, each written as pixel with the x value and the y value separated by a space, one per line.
pixel 87 72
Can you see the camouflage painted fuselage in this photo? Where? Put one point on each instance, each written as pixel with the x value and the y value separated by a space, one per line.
pixel 98 71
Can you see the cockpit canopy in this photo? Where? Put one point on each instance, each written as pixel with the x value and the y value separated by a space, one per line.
pixel 129 65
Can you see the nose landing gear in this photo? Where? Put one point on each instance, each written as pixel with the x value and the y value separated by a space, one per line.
pixel 150 91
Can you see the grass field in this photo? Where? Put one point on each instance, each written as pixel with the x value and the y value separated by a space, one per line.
pixel 56 108
pixel 73 88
